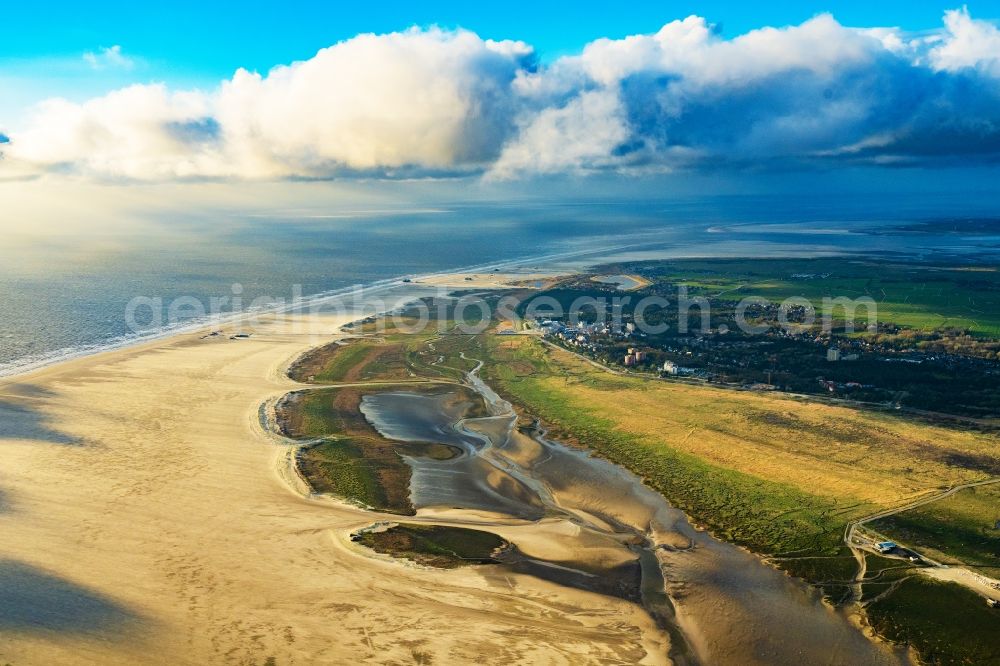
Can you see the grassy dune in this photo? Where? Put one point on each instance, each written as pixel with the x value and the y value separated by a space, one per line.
pixel 340 467
pixel 330 364
pixel 435 545
pixel 922 612
pixel 774 473
pixel 394 356
pixel 353 461
pixel 783 477
pixel 356 361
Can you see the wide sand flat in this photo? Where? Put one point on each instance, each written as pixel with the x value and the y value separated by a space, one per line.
pixel 534 279
pixel 145 517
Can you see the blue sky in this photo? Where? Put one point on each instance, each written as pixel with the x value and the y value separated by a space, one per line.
pixel 127 91
pixel 208 40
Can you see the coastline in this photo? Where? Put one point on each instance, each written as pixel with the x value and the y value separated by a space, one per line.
pixel 447 279
pixel 281 349
pixel 139 488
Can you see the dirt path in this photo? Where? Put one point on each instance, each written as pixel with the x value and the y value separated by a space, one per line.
pixel 960 574
pixel 850 532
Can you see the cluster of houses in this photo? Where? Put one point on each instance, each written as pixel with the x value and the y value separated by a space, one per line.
pixel 574 336
pixel 586 337
pixel 582 335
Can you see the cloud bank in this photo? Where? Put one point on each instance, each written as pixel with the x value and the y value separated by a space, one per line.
pixel 431 102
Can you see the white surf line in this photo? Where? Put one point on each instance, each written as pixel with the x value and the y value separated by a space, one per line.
pixel 28 365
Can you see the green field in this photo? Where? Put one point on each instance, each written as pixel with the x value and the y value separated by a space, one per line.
pixel 918 296
pixel 339 467
pixel 332 363
pixel 354 461
pixel 776 474
pixel 395 358
pixel 948 624
pixel 961 528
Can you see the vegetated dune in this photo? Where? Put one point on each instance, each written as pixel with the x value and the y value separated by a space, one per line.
pixel 824 463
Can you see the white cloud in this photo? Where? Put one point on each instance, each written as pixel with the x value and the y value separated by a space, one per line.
pixel 585 132
pixel 108 58
pixel 967 43
pixel 420 101
pixel 820 91
pixel 691 49
pixel 142 132
pixel 431 99
pixel 436 102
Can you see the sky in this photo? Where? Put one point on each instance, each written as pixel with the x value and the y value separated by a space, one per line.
pixel 199 43
pixel 210 40
pixel 125 93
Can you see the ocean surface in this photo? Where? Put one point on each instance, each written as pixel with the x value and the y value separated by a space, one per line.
pixel 68 296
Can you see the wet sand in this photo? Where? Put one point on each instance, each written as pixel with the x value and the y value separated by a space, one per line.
pixel 147 517
pixel 602 525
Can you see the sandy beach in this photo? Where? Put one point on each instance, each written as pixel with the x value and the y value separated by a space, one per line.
pixel 147 517
pixel 496 280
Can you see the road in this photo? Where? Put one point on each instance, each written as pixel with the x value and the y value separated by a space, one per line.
pixel 957 574
pixel 849 532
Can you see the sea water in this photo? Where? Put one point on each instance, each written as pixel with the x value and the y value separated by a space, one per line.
pixel 61 299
